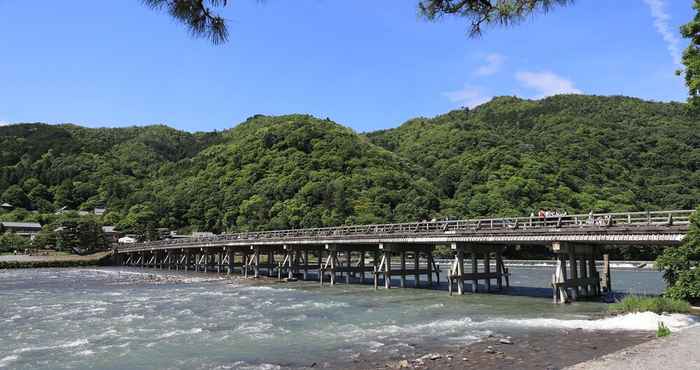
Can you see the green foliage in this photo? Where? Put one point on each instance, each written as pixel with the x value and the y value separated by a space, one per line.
pixel 635 303
pixel 505 158
pixel 443 251
pixel 480 12
pixel 691 57
pixel 202 20
pixel 197 15
pixel 662 331
pixel 11 242
pixel 79 234
pixel 46 238
pixel 579 153
pixel 680 264
pixel 15 196
pixel 296 171
pixel 141 220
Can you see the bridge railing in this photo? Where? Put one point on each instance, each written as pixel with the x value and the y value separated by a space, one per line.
pixel 590 220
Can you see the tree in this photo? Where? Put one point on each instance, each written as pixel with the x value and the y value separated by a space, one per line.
pixel 485 12
pixel 80 234
pixel 197 15
pixel 16 196
pixel 681 264
pixel 202 21
pixel 691 57
pixel 10 242
pixel 142 221
pixel 46 238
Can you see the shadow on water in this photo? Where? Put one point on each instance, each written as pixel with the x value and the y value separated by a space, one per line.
pixel 528 282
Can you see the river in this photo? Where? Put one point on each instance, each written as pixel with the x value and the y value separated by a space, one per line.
pixel 122 318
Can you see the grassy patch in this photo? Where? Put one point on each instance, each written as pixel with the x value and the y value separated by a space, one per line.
pixel 634 303
pixel 662 331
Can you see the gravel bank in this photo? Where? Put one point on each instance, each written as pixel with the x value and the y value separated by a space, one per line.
pixel 678 352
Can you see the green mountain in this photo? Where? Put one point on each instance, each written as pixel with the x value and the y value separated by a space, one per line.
pixel 46 167
pixel 507 157
pixel 573 152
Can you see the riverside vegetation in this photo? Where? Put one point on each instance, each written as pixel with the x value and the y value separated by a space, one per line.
pixel 635 303
pixel 507 157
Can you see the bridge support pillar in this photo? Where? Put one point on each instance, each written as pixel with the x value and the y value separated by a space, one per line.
pixel 402 255
pixel 416 267
pixel 348 263
pixel 458 276
pixel 605 280
pixel 577 279
pixel 386 259
pixel 256 263
pixel 375 268
pixel 270 264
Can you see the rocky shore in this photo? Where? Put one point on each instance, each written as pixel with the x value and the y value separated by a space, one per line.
pixel 544 349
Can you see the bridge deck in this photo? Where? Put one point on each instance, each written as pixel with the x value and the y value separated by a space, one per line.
pixel 658 227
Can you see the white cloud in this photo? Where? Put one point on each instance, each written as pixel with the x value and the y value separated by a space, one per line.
pixel 493 63
pixel 469 96
pixel 661 19
pixel 4 123
pixel 546 83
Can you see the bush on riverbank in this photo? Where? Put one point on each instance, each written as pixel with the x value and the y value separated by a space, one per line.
pixel 681 265
pixel 10 242
pixel 634 303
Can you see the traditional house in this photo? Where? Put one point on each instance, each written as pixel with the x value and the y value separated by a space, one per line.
pixel 28 229
pixel 111 235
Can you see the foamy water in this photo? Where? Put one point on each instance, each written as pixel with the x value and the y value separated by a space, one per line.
pixel 140 319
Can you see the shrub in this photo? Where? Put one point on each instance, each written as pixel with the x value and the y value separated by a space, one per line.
pixel 634 303
pixel 10 242
pixel 680 264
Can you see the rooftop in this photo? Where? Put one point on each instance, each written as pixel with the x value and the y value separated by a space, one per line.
pixel 24 225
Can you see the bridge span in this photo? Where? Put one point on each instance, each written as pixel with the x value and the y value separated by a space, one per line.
pixel 406 249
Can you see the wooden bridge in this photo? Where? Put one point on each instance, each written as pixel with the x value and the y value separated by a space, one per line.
pixel 406 249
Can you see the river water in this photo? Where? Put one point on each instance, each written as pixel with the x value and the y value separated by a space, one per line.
pixel 121 318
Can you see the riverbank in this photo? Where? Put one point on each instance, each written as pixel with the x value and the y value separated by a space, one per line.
pixel 537 350
pixel 577 346
pixel 678 351
pixel 11 261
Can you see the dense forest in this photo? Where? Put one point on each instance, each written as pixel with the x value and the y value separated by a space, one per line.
pixel 506 157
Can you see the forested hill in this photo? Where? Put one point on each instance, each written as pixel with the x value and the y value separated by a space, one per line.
pixel 46 167
pixel 507 157
pixel 576 152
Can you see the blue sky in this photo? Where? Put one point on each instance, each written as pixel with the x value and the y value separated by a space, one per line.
pixel 363 63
